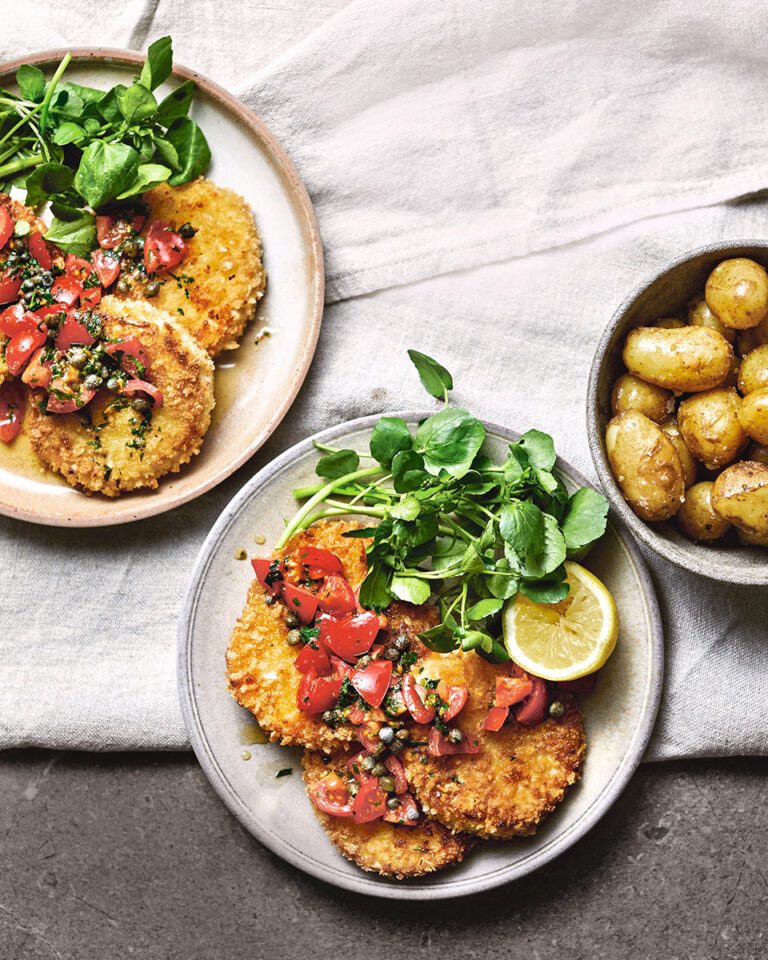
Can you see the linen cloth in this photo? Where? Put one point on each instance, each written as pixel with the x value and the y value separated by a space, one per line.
pixel 490 181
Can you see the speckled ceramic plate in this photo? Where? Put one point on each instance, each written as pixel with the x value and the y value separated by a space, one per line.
pixel 619 715
pixel 256 384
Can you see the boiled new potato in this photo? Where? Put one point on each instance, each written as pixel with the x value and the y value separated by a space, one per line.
pixel 632 393
pixel 737 293
pixel 748 340
pixel 696 519
pixel 751 540
pixel 669 323
pixel 753 372
pixel 757 452
pixel 690 469
pixel 699 315
pixel 687 360
pixel 753 415
pixel 740 494
pixel 646 465
pixel 710 425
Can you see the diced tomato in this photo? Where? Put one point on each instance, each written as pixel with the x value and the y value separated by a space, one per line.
pixel 6 226
pixel 582 685
pixel 68 402
pixel 412 695
pixel 37 374
pixel 139 219
pixel 441 746
pixel 269 574
pixel 317 694
pixel 355 765
pixel 20 348
pixel 313 657
pixel 330 794
pixel 356 713
pixel 533 709
pixel 9 288
pixel 107 268
pixel 39 251
pixel 455 697
pixel 496 718
pixel 66 290
pixel 90 297
pixel 164 249
pixel 512 690
pixel 372 681
pixel 78 267
pixel 300 601
pixel 319 562
pixel 336 596
pixel 398 772
pixel 73 332
pixel 350 637
pixel 340 669
pixel 370 802
pixel 111 231
pixel 395 700
pixel 154 393
pixel 368 734
pixel 407 814
pixel 44 312
pixel 13 400
pixel 15 320
pixel 134 359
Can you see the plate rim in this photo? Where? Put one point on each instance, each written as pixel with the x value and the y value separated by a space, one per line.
pixel 558 844
pixel 141 509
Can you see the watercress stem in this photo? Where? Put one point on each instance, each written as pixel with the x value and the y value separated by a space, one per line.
pixel 51 89
pixel 23 163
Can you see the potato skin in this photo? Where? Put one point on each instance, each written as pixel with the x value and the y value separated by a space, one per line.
pixel 687 360
pixel 747 340
pixel 753 372
pixel 709 423
pixel 753 415
pixel 687 461
pixel 669 323
pixel 751 540
pixel 696 519
pixel 740 495
pixel 757 452
pixel 632 393
pixel 699 315
pixel 737 293
pixel 646 466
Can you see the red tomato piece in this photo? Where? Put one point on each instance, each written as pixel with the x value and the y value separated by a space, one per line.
pixel 6 226
pixel 412 696
pixel 496 718
pixel 73 332
pixel 66 290
pixel 398 772
pixel 37 374
pixel 90 297
pixel 336 596
pixel 407 814
pixel 455 697
pixel 319 562
pixel 533 709
pixel 313 657
pixel 368 735
pixel 134 359
pixel 372 681
pixel 512 690
pixel 331 796
pixel 39 251
pixel 301 602
pixel 107 268
pixel 78 268
pixel 9 288
pixel 15 320
pixel 582 685
pixel 67 402
pixel 154 393
pixel 441 746
pixel 269 574
pixel 13 402
pixel 356 713
pixel 19 349
pixel 340 669
pixel 111 231
pixel 370 802
pixel 317 694
pixel 164 249
pixel 350 637
pixel 138 221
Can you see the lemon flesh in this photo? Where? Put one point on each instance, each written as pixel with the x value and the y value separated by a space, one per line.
pixel 566 640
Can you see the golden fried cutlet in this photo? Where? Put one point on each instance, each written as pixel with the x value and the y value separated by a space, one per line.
pixel 382 847
pixel 520 773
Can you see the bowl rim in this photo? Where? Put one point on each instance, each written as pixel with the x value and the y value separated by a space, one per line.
pixel 706 566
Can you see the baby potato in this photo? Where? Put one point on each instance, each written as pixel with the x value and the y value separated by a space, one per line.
pixel 632 393
pixel 740 494
pixel 687 360
pixel 753 372
pixel 751 539
pixel 737 293
pixel 699 315
pixel 711 427
pixel 753 415
pixel 748 340
pixel 757 452
pixel 690 468
pixel 696 519
pixel 669 323
pixel 646 465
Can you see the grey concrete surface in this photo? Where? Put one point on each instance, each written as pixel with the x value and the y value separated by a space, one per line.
pixel 106 857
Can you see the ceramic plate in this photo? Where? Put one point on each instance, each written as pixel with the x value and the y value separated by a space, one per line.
pixel 256 384
pixel 619 715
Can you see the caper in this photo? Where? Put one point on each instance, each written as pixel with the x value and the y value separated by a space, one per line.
pixel 46 278
pixel 54 320
pixel 130 248
pixel 378 770
pixel 17 244
pixel 123 285
pixel 294 638
pixel 187 231
pixel 52 333
pixel 368 764
pixel 402 734
pixel 114 384
pixel 455 735
pixel 412 814
pixel 21 228
pixel 393 803
pixel 328 717
pixel 269 599
pixel 141 404
pixel 402 642
pixel 556 708
pixel 92 382
pixel 386 735
pixel 291 620
pixel 387 783
pixel 152 288
pixel 391 653
pixel 29 284
pixel 396 746
pixel 363 661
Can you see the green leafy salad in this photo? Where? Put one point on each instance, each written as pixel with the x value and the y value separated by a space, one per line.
pixel 453 525
pixel 80 148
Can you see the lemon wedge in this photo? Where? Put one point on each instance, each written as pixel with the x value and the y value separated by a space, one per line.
pixel 566 640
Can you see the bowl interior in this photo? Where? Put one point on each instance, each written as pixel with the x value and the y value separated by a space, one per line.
pixel 667 295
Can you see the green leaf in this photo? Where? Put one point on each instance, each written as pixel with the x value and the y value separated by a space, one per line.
pixel 374 590
pixel 73 236
pixel 540 449
pixel 76 96
pixel 31 81
pixel 167 152
pixel 537 565
pixel 410 589
pixel 136 103
pixel 521 525
pixel 407 509
pixel 483 609
pixel 108 105
pixel 585 518
pixel 68 132
pixel 449 441
pixel 551 590
pixel 105 171
pixel 158 65
pixel 148 175
pixel 176 105
pixel 441 639
pixel 502 585
pixel 389 437
pixel 192 148
pixel 338 464
pixel 476 640
pixel 408 472
pixel 46 180
pixel 497 654
pixel 434 377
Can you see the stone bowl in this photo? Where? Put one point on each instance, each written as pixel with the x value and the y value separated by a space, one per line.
pixel 667 294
